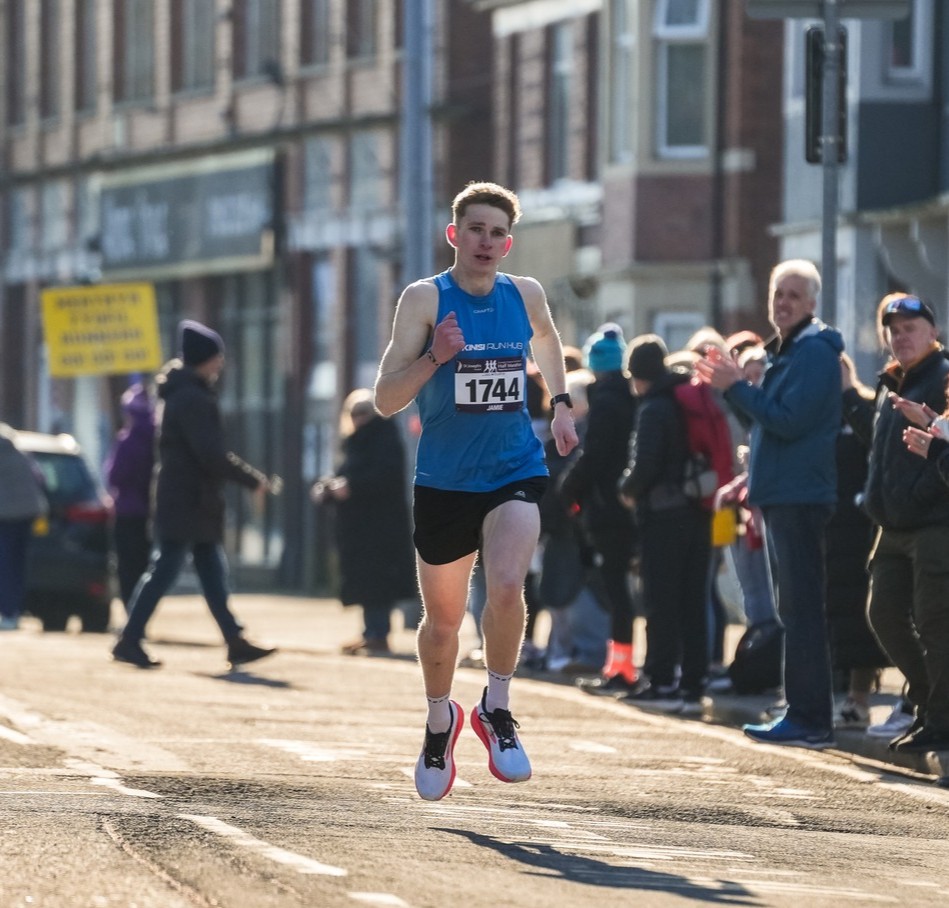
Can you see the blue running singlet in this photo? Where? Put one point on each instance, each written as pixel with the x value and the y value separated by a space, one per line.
pixel 476 431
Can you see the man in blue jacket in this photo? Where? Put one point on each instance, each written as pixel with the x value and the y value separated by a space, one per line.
pixel 792 478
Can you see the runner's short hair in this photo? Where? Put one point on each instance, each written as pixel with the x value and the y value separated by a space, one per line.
pixel 476 193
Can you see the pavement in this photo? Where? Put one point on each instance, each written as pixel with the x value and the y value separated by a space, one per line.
pixel 310 624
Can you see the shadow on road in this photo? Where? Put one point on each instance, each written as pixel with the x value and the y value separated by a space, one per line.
pixel 592 872
pixel 241 677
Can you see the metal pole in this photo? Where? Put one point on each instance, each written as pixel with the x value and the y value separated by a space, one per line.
pixel 415 183
pixel 829 152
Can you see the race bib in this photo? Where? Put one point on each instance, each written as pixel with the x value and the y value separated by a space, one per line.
pixel 489 385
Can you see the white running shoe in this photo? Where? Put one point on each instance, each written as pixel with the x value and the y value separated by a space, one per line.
pixel 497 731
pixel 899 721
pixel 851 714
pixel 435 769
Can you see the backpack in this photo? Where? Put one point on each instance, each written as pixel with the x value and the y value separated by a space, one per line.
pixel 757 665
pixel 711 454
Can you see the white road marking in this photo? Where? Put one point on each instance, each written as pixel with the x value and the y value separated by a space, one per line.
pixel 117 786
pixel 298 862
pixel 378 898
pixel 90 740
pixel 592 747
pixel 8 734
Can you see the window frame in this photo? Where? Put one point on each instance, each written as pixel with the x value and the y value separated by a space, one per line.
pixel 914 72
pixel 665 38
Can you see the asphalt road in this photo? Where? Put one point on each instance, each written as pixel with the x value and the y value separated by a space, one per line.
pixel 291 785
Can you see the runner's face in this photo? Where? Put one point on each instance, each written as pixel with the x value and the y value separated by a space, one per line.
pixel 481 236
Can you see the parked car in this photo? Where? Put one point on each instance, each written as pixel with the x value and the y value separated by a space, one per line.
pixel 69 567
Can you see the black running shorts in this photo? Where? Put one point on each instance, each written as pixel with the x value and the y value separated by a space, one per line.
pixel 448 524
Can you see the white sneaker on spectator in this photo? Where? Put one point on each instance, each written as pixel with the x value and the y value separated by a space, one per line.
pixel 851 714
pixel 899 720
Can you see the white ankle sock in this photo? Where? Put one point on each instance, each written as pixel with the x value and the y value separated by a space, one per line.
pixel 439 714
pixel 499 691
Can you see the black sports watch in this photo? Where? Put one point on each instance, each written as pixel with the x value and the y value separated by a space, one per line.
pixel 561 399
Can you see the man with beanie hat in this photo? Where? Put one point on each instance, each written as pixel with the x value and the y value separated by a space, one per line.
pixel 675 537
pixel 589 482
pixel 193 465
pixel 198 343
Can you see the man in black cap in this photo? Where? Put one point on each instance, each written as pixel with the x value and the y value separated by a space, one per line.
pixel 193 465
pixel 908 500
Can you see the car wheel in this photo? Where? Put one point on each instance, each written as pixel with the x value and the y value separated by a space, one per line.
pixel 95 617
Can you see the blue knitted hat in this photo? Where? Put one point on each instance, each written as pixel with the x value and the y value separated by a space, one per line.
pixel 605 351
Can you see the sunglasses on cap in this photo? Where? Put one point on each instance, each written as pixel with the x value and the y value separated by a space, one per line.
pixel 912 306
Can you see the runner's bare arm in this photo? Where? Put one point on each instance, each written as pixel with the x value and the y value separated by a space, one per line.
pixel 404 367
pixel 548 354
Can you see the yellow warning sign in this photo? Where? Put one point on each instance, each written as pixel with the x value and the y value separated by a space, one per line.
pixel 110 329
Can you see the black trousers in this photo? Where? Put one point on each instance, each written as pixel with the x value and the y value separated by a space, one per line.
pixel 675 548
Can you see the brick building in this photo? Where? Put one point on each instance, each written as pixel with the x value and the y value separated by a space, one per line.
pixel 242 156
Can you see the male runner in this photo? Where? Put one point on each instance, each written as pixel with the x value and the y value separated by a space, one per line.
pixel 459 347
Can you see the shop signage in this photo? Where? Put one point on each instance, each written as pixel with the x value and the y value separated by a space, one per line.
pixel 205 213
pixel 101 329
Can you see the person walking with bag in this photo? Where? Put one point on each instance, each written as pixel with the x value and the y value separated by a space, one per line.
pixel 193 465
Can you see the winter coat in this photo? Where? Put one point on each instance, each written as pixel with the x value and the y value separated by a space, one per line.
pixel 193 461
pixel 849 540
pixel 903 491
pixel 373 527
pixel 130 464
pixel 658 450
pixel 22 497
pixel 590 479
pixel 796 412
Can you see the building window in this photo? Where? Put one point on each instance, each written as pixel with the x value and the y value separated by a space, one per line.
pixel 55 229
pixel 318 176
pixel 315 37
pixel 904 57
pixel 619 135
pixel 50 56
pixel 15 63
pixel 86 82
pixel 681 32
pixel 134 50
pixel 559 82
pixel 365 175
pixel 20 223
pixel 192 46
pixel 361 21
pixel 256 38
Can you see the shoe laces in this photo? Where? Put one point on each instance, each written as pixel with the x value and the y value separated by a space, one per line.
pixel 436 744
pixel 503 724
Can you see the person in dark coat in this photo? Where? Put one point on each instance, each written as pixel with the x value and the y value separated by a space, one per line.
pixel 128 471
pixel 854 649
pixel 589 482
pixel 675 538
pixel 372 525
pixel 193 465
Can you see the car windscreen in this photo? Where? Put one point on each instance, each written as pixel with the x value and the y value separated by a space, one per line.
pixel 66 478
